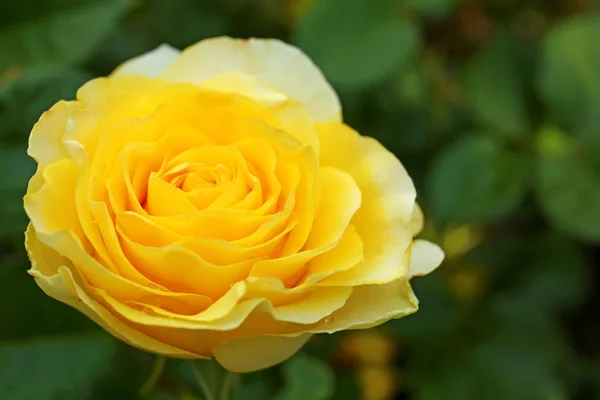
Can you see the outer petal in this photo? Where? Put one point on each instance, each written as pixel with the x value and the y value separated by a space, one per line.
pixel 371 305
pixel 57 281
pixel 259 352
pixel 383 221
pixel 417 220
pixel 45 141
pixel 425 257
pixel 283 66
pixel 149 64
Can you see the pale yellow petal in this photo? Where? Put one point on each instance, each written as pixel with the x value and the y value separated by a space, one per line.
pixel 45 142
pixel 388 198
pixel 371 305
pixel 425 257
pixel 283 66
pixel 260 352
pixel 247 85
pixel 149 64
pixel 289 115
pixel 46 139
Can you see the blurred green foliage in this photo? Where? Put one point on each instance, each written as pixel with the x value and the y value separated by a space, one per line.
pixel 493 106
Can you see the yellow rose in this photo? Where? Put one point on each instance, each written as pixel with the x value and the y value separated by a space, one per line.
pixel 211 203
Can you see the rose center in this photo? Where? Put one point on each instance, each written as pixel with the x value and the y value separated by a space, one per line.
pixel 196 176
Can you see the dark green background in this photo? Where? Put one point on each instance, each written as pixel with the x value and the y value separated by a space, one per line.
pixel 493 106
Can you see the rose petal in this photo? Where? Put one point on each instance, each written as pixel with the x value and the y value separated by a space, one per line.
pixel 281 65
pixel 149 64
pixel 425 257
pixel 388 198
pixel 255 353
pixel 57 281
pixel 417 220
pixel 371 305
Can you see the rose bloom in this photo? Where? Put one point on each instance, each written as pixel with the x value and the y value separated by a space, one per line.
pixel 212 203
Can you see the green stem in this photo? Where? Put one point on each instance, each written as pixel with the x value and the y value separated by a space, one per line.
pixel 157 370
pixel 228 385
pixel 202 383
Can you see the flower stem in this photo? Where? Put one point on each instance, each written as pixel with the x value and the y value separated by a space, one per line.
pixel 214 381
pixel 157 370
pixel 228 385
pixel 202 382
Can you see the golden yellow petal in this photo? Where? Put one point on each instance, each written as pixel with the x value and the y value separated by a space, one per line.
pixel 164 199
pixel 344 256
pixel 57 281
pixel 182 270
pixel 257 296
pixel 339 200
pixel 97 275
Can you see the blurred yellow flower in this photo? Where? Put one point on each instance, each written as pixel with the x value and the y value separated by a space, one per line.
pixel 460 240
pixel 378 383
pixel 468 284
pixel 212 203
pixel 368 347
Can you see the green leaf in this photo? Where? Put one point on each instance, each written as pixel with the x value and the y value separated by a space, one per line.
pixel 60 368
pixel 569 80
pixel 358 47
pixel 23 100
pixel 60 32
pixel 495 88
pixel 477 179
pixel 307 378
pixel 568 189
